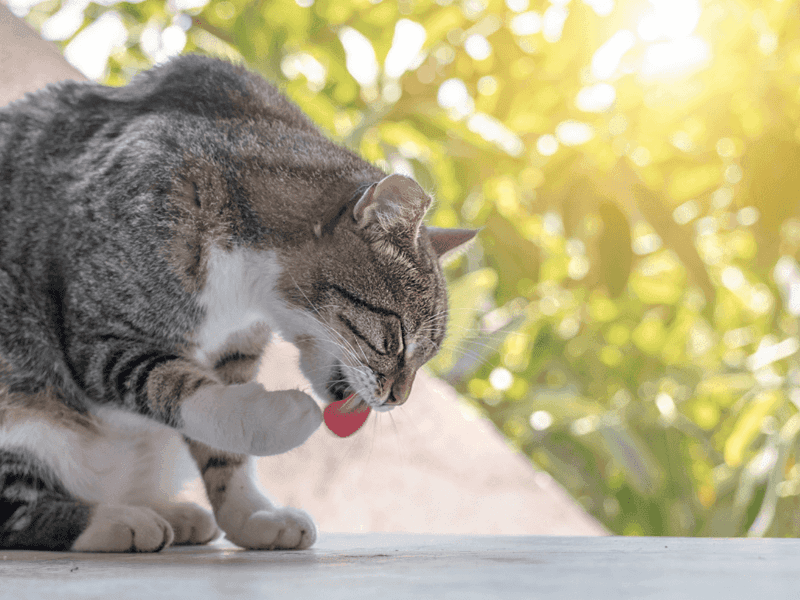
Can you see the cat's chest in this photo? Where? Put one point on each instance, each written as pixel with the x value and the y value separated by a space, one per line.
pixel 238 303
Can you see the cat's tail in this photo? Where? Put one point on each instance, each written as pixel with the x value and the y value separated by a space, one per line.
pixel 35 513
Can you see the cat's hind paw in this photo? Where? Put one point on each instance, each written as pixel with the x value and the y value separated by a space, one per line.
pixel 191 524
pixel 120 528
pixel 276 529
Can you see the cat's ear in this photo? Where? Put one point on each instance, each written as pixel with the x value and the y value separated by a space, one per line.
pixel 395 203
pixel 449 243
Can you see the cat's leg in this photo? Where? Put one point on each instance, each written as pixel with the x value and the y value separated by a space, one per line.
pixel 37 513
pixel 246 516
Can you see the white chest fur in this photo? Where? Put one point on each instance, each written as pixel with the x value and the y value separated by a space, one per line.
pixel 239 291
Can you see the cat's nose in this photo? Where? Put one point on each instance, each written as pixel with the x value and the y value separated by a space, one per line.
pixel 401 388
pixel 392 400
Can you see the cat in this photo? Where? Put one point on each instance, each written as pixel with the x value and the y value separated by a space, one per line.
pixel 152 238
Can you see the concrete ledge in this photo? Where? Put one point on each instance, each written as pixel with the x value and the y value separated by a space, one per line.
pixel 350 566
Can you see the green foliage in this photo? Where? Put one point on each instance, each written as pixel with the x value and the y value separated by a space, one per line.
pixel 629 316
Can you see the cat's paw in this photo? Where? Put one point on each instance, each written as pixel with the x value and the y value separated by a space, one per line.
pixel 247 419
pixel 283 420
pixel 119 528
pixel 276 529
pixel 191 524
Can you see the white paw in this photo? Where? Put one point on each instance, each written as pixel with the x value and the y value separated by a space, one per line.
pixel 246 418
pixel 276 529
pixel 190 523
pixel 119 528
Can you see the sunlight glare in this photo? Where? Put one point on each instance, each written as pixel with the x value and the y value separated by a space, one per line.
pixel 669 19
pixel 181 5
pixel 607 57
pixel 493 130
pixel 574 133
pixel 602 8
pixel 676 57
pixel 407 43
pixel 501 379
pixel 787 275
pixel 454 96
pixel 541 420
pixel 553 23
pixel 478 47
pixel 547 145
pixel 63 24
pixel 596 98
pixel 528 23
pixel 89 50
pixel 518 6
pixel 303 63
pixel 359 56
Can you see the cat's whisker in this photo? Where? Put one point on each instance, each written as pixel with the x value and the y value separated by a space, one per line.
pixel 400 453
pixel 345 345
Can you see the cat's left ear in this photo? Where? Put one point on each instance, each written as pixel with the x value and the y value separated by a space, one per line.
pixel 396 204
pixel 449 243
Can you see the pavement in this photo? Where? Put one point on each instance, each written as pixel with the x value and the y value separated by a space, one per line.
pixel 389 566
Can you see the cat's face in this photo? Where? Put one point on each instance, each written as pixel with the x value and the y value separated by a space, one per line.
pixel 371 294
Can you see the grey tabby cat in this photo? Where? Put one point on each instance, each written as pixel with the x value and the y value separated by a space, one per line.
pixel 151 238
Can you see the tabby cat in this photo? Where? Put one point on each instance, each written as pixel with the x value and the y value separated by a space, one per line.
pixel 152 237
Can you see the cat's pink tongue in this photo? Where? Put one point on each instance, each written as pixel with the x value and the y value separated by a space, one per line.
pixel 341 423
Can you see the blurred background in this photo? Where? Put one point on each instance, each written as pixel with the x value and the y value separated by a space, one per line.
pixel 628 318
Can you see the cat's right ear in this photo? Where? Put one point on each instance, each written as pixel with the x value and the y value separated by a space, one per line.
pixel 396 204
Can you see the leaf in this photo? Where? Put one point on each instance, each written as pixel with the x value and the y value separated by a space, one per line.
pixel 616 254
pixel 786 441
pixel 476 350
pixel 641 468
pixel 689 182
pixel 748 425
pixel 467 296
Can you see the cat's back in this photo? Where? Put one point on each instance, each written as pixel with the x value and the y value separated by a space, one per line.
pixel 63 119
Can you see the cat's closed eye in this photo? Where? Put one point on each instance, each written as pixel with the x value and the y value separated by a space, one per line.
pixel 382 335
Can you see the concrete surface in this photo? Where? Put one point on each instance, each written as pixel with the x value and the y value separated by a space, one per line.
pixel 386 566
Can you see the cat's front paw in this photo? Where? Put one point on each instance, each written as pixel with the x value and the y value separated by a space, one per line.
pixel 247 419
pixel 276 422
pixel 276 529
pixel 119 528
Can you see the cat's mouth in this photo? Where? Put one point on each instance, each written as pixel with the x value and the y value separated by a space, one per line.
pixel 337 386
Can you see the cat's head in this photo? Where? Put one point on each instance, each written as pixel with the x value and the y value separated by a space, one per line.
pixel 367 295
